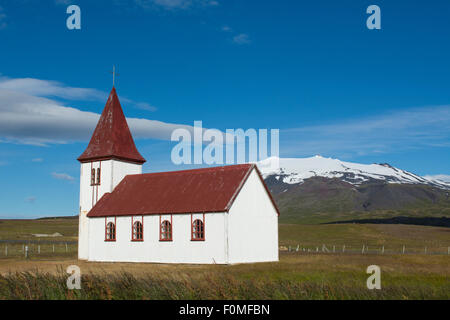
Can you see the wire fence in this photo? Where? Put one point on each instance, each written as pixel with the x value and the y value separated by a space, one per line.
pixel 33 248
pixel 365 249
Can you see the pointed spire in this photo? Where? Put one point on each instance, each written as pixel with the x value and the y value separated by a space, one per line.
pixel 112 138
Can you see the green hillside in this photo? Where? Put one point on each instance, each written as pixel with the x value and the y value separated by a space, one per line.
pixel 320 200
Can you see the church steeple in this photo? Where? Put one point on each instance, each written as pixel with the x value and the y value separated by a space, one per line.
pixel 109 157
pixel 112 138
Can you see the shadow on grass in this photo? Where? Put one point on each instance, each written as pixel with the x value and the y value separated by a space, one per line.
pixel 419 221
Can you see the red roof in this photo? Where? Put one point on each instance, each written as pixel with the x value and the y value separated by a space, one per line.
pixel 188 191
pixel 112 138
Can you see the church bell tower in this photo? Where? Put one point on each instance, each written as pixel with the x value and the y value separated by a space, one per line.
pixel 109 157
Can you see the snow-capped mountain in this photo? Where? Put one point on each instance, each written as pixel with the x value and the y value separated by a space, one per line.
pixel 297 170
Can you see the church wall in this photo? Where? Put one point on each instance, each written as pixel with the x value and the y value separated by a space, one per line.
pixel 252 224
pixel 180 250
pixel 112 172
pixel 88 194
pixel 120 169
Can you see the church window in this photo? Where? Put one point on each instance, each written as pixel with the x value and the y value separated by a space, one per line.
pixel 166 231
pixel 198 229
pixel 98 176
pixel 138 231
pixel 111 231
pixel 92 177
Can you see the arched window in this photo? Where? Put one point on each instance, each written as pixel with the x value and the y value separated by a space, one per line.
pixel 138 231
pixel 92 177
pixel 198 230
pixel 111 231
pixel 98 176
pixel 166 231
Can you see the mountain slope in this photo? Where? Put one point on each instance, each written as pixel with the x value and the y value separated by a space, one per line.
pixel 323 187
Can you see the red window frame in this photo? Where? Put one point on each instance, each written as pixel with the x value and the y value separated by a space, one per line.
pixel 165 229
pixel 96 175
pixel 92 176
pixel 198 229
pixel 109 231
pixel 137 233
pixel 98 180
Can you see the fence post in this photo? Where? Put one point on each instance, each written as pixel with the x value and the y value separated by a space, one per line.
pixel 317 249
pixel 26 252
pixel 382 250
pixel 53 248
pixel 362 251
pixel 403 251
pixel 39 249
pixel 334 249
pixel 66 247
pixel 343 248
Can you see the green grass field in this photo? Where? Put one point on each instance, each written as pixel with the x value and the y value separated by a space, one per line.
pixel 296 216
pixel 298 275
pixel 24 229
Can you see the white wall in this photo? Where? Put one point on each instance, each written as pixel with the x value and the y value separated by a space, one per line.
pixel 247 233
pixel 180 250
pixel 112 172
pixel 252 225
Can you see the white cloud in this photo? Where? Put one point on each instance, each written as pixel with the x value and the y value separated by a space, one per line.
pixel 440 177
pixel 141 105
pixel 63 2
pixel 392 132
pixel 47 88
pixel 242 38
pixel 226 29
pixel 62 176
pixel 40 121
pixel 55 89
pixel 30 199
pixel 176 4
pixel 28 118
pixel 37 160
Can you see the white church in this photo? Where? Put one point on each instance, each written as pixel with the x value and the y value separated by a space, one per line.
pixel 219 215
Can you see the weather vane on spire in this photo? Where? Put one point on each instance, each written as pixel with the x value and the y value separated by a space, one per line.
pixel 114 74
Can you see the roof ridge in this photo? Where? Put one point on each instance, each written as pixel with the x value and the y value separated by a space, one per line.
pixel 197 170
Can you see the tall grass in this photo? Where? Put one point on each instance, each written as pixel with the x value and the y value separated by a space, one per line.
pixel 35 285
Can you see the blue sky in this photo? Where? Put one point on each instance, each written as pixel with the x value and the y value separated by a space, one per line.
pixel 311 69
